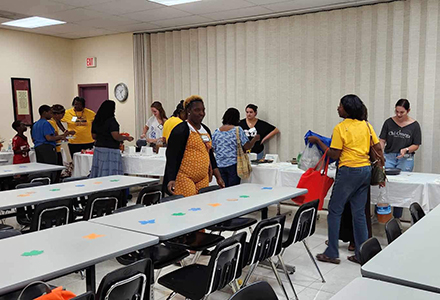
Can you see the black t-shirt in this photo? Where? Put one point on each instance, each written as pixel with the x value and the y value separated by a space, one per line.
pixel 262 128
pixel 397 137
pixel 103 133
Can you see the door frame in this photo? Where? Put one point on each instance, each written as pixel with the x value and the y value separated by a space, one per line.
pixel 81 86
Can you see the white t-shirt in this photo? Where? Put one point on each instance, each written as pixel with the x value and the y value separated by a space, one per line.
pixel 154 128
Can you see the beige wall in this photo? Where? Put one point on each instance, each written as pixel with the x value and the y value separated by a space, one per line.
pixel 47 61
pixel 114 55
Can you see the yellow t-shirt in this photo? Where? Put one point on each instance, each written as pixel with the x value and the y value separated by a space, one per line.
pixel 55 126
pixel 353 138
pixel 81 123
pixel 169 125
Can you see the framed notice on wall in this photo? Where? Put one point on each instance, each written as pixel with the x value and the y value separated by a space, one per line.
pixel 22 100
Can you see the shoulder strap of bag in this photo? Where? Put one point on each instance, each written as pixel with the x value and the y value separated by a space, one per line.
pixel 237 135
pixel 323 163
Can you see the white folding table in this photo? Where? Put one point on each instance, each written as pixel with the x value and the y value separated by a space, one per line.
pixel 411 260
pixel 171 219
pixel 30 168
pixel 52 253
pixel 368 289
pixel 30 196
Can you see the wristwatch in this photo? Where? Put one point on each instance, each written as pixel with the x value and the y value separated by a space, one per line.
pixel 407 150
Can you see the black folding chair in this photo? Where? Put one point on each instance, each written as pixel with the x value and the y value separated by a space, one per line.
pixel 265 243
pixel 260 290
pixel 24 214
pixel 70 179
pixel 4 234
pixel 150 195
pixel 416 212
pixel 393 230
pixel 199 281
pixel 369 249
pixel 171 198
pixel 303 226
pixel 235 224
pixel 162 255
pixel 51 214
pixel 79 203
pixel 85 296
pixel 129 282
pixel 101 204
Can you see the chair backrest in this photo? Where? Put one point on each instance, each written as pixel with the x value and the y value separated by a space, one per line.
pixel 70 179
pixel 28 185
pixel 416 212
pixel 209 189
pixel 4 234
pixel 393 230
pixel 171 198
pixel 43 178
pixel 260 290
pixel 369 249
pixel 129 282
pixel 304 223
pixel 127 208
pixel 226 262
pixel 266 239
pixel 86 296
pixel 150 195
pixel 101 204
pixel 51 214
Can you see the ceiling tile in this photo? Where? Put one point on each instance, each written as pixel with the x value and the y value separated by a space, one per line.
pixel 238 13
pixel 121 7
pixel 137 27
pixel 211 6
pixel 157 14
pixel 32 7
pixel 77 14
pixel 111 23
pixel 307 4
pixel 262 2
pixel 63 28
pixel 81 3
pixel 191 20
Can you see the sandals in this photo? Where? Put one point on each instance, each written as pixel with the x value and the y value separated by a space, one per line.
pixel 324 258
pixel 353 259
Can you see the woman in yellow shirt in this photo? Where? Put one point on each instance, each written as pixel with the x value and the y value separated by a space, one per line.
pixel 179 115
pixel 351 145
pixel 79 119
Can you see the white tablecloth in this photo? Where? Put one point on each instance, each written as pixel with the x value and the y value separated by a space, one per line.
pixel 401 190
pixel 134 164
pixel 6 157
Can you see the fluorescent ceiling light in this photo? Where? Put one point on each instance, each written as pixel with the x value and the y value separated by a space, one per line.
pixel 33 22
pixel 173 2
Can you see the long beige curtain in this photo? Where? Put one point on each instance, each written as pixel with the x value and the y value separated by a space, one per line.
pixel 142 79
pixel 297 68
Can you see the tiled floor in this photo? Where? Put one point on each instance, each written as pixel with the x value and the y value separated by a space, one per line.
pixel 306 279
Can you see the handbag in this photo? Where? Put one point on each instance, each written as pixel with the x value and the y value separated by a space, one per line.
pixel 316 181
pixel 244 168
pixel 377 171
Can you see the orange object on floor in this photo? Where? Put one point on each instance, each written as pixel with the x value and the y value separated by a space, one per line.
pixel 57 294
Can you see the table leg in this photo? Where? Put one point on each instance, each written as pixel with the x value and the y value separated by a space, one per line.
pixel 91 279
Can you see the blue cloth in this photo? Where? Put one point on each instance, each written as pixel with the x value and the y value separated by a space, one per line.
pixel 230 176
pixel 225 146
pixel 327 141
pixel 404 164
pixel 40 129
pixel 106 162
pixel 351 185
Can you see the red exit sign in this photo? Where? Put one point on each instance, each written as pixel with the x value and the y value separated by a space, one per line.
pixel 91 62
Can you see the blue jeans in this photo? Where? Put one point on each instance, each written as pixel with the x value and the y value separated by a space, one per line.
pixel 260 155
pixel 404 164
pixel 351 185
pixel 229 175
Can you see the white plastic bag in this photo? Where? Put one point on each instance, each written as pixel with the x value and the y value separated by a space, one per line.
pixel 309 157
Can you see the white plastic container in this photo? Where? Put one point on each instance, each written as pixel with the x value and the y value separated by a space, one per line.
pixel 145 150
